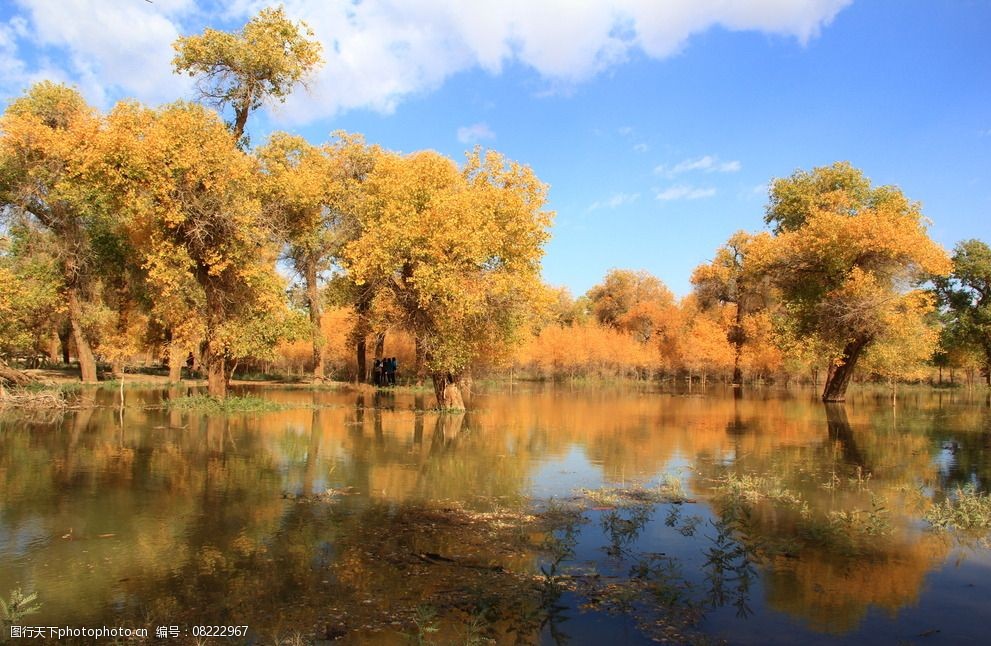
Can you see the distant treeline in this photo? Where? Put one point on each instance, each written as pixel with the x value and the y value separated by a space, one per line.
pixel 162 236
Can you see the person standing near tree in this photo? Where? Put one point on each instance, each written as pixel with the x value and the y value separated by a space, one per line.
pixel 377 372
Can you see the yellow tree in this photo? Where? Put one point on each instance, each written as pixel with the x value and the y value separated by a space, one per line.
pixel 177 306
pixel 307 193
pixel 630 300
pixel 562 308
pixel 46 137
pixel 460 252
pixel 262 61
pixel 730 279
pixel 29 297
pixel 193 212
pixel 905 353
pixel 639 304
pixel 708 348
pixel 846 256
pixel 761 354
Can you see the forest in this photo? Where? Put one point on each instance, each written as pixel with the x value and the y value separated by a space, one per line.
pixel 162 238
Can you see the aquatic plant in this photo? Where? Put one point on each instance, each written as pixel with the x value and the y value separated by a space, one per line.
pixel 237 404
pixel 668 490
pixel 752 489
pixel 966 510
pixel 19 606
pixel 425 621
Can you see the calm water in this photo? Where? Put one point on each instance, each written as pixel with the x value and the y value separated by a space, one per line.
pixel 166 518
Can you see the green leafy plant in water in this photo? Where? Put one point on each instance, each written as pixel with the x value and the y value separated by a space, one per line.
pixel 966 510
pixel 293 639
pixel 18 606
pixel 753 489
pixel 669 490
pixel 425 621
pixel 475 631
pixel 236 404
pixel 878 521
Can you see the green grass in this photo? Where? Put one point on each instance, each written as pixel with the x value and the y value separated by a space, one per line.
pixel 19 606
pixel 669 490
pixel 966 510
pixel 753 488
pixel 233 404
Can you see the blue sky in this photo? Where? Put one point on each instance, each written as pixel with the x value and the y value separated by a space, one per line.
pixel 658 129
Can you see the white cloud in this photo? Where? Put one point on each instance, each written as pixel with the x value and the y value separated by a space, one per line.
pixel 109 49
pixel 11 66
pixel 641 147
pixel 379 52
pixel 706 164
pixel 474 133
pixel 615 201
pixel 684 192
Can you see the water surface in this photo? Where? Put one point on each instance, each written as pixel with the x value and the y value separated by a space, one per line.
pixel 155 517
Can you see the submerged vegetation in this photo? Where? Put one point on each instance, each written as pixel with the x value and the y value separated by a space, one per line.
pixel 966 509
pixel 670 489
pixel 231 404
pixel 15 609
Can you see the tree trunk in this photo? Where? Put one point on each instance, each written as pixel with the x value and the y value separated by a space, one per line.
pixel 123 318
pixel 176 359
pixel 240 120
pixel 87 362
pixel 199 357
pixel 447 391
pixel 379 344
pixel 838 377
pixel 64 335
pixel 230 373
pixel 313 305
pixel 216 375
pixel 13 377
pixel 362 360
pixel 419 365
pixel 737 339
pixel 53 348
pixel 360 335
pixel 215 355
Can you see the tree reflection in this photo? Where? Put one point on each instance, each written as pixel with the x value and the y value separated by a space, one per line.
pixel 287 518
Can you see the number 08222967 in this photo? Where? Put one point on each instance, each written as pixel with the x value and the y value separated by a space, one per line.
pixel 220 631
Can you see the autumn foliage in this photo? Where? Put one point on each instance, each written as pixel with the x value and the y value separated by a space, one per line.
pixel 148 235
